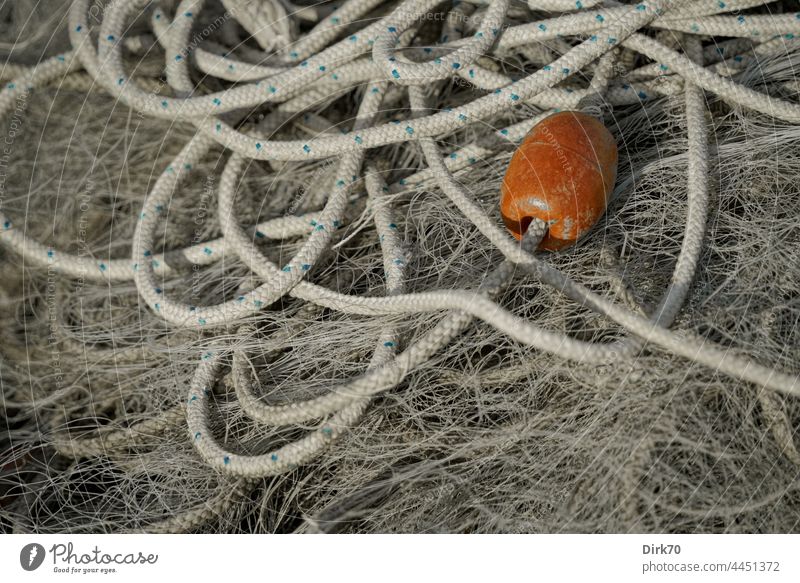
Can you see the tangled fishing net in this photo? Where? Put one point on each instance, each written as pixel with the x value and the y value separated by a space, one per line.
pixel 255 279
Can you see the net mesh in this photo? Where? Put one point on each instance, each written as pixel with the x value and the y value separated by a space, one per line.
pixel 486 434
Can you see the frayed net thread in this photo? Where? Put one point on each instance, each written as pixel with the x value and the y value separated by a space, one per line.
pixel 475 431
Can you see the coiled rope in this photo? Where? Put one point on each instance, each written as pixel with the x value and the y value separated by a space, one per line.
pixel 380 58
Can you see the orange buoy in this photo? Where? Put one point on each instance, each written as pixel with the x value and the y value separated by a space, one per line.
pixel 562 173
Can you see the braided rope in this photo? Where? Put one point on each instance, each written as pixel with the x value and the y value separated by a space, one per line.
pixel 378 60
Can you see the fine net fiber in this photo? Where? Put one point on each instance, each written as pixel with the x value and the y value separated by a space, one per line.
pixel 254 276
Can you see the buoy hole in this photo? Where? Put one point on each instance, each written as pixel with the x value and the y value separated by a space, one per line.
pixel 524 223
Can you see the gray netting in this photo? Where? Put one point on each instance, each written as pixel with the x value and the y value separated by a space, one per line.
pixel 486 435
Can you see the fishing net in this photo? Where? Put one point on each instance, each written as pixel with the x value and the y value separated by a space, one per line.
pixel 254 278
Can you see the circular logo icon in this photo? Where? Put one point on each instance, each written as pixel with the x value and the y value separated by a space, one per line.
pixel 31 556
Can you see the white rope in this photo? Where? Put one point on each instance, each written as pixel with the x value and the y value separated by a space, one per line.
pixel 385 66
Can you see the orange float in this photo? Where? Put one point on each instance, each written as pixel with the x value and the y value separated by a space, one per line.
pixel 562 173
